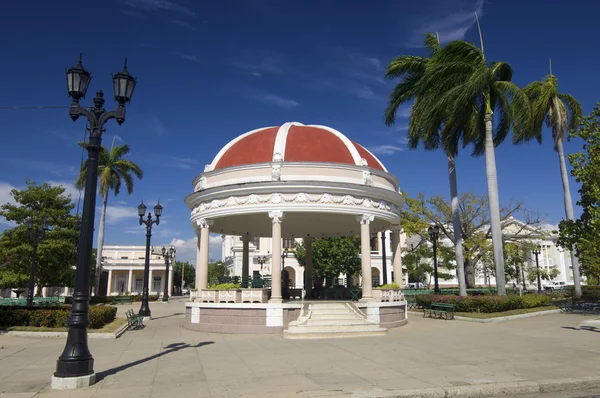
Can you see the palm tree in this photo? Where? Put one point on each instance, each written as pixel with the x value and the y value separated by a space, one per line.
pixel 459 93
pixel 554 107
pixel 113 170
pixel 410 69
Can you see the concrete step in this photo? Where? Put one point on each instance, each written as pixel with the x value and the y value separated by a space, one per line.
pixel 333 328
pixel 335 316
pixel 336 322
pixel 331 311
pixel 332 335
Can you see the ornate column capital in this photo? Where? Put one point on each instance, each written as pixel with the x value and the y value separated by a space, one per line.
pixel 204 223
pixel 276 216
pixel 395 227
pixel 365 219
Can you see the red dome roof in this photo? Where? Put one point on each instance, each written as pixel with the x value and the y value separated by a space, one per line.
pixel 294 142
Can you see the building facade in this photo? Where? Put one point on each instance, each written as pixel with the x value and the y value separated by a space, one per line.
pixel 125 268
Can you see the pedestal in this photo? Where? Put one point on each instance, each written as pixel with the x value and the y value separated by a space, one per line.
pixel 69 383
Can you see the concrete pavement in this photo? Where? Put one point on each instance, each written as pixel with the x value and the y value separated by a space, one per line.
pixel 428 357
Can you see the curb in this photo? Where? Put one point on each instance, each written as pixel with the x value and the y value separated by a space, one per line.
pixel 507 318
pixel 491 389
pixel 114 335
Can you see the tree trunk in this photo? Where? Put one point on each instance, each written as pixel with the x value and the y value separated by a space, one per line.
pixel 494 202
pixel 458 242
pixel 100 245
pixel 569 213
pixel 469 274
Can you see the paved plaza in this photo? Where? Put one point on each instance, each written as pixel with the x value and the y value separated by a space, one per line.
pixel 427 354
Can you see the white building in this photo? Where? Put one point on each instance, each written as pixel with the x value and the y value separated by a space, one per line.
pixel 125 268
pixel 232 248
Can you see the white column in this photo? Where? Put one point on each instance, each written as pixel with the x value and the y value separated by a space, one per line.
pixel 202 266
pixel 109 283
pixel 150 282
pixel 130 281
pixel 245 257
pixel 198 257
pixel 308 267
pixel 397 257
pixel 276 217
pixel 171 280
pixel 44 292
pixel 365 256
pixel 66 292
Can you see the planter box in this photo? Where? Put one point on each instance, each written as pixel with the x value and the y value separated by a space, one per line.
pixel 388 295
pixel 228 296
pixel 207 296
pixel 254 295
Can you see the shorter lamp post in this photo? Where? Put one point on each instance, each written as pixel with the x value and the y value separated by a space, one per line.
pixel 35 234
pixel 434 233
pixel 261 260
pixel 537 252
pixel 383 258
pixel 148 222
pixel 168 256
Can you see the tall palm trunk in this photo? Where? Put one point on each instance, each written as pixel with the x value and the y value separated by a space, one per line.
pixel 568 212
pixel 494 202
pixel 458 242
pixel 100 245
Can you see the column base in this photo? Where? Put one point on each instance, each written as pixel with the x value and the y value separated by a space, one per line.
pixel 147 318
pixel 366 300
pixel 276 300
pixel 69 383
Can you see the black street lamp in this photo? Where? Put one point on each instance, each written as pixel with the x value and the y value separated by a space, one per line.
pixel 383 258
pixel 76 359
pixel 537 251
pixel 148 222
pixel 434 233
pixel 35 234
pixel 168 256
pixel 261 260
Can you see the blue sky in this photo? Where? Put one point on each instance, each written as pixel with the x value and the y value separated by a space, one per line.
pixel 208 71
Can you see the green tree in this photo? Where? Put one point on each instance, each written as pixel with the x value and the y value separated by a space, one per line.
pixel 418 260
pixel 217 270
pixel 189 274
pixel 460 92
pixel 57 248
pixel 410 69
pixel 113 171
pixel 546 275
pixel 332 256
pixel 418 213
pixel 583 234
pixel 561 112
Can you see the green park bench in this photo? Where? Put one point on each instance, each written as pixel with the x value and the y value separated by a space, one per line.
pixel 134 320
pixel 122 300
pixel 440 310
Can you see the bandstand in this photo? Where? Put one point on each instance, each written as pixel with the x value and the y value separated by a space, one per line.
pixel 291 181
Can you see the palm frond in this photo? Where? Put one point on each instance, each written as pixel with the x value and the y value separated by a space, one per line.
pixel 405 64
pixel 575 110
pixel 502 71
pixel 432 44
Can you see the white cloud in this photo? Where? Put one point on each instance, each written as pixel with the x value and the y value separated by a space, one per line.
pixel 256 60
pixel 158 6
pixel 182 163
pixel 69 189
pixel 188 57
pixel 449 24
pixel 115 214
pixel 275 100
pixel 5 197
pixel 385 149
pixel 186 248
pixel 182 23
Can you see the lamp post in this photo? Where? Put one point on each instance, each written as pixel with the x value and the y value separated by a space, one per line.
pixel 35 234
pixel 168 256
pixel 261 260
pixel 383 258
pixel 537 251
pixel 148 222
pixel 76 359
pixel 434 234
pixel 284 254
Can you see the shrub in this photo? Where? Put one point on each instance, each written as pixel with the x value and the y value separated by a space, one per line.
pixel 392 285
pixel 55 317
pixel 590 293
pixel 485 303
pixel 225 286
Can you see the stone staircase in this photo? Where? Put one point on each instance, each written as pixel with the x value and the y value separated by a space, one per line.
pixel 332 320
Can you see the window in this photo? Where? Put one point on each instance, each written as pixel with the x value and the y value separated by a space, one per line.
pixel 124 258
pixel 139 285
pixel 156 283
pixel 288 243
pixel 374 244
pixel 141 258
pixel 256 242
